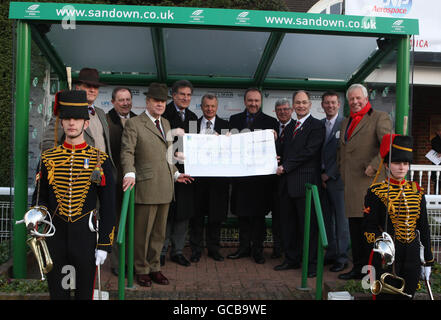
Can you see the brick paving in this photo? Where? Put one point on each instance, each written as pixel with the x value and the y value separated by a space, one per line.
pixel 207 279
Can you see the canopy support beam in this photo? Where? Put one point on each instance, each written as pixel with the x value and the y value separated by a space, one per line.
pixel 159 50
pixel 386 47
pixel 402 95
pixel 49 52
pixel 268 55
pixel 21 145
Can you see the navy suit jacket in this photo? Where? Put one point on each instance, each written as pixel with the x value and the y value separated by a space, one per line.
pixel 301 156
pixel 329 150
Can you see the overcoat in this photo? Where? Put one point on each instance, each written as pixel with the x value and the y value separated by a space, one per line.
pixel 359 151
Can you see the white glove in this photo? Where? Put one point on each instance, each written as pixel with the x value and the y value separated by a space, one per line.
pixel 100 256
pixel 425 272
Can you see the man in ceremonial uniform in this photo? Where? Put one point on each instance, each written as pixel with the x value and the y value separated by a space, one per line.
pixel 405 220
pixel 71 178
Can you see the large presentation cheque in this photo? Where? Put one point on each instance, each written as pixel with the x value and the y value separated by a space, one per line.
pixel 237 155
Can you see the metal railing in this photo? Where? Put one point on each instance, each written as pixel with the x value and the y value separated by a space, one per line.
pixel 127 214
pixel 417 174
pixel 312 192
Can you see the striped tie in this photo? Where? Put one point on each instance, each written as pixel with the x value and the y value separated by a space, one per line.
pixel 298 124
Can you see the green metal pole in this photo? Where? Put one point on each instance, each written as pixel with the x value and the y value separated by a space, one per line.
pixel 121 241
pixel 322 242
pixel 131 236
pixel 22 80
pixel 306 232
pixel 122 270
pixel 403 69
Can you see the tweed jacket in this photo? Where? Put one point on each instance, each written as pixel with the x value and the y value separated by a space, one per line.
pixel 144 151
pixel 357 153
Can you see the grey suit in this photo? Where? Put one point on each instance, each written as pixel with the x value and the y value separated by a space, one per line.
pixel 333 203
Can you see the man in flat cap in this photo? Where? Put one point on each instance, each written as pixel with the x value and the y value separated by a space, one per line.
pixel 71 178
pixel 144 162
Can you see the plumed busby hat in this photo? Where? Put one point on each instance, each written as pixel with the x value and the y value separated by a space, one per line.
pixel 400 148
pixel 71 104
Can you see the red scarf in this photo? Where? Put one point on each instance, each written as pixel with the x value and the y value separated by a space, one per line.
pixel 356 118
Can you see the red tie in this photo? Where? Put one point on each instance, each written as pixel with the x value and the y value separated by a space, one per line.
pixel 159 127
pixel 91 110
pixel 295 129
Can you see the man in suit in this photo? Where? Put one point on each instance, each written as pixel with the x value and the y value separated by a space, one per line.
pixel 300 164
pixel 116 119
pixel 249 197
pixel 97 134
pixel 333 202
pixel 211 194
pixel 144 161
pixel 181 210
pixel 360 141
pixel 284 112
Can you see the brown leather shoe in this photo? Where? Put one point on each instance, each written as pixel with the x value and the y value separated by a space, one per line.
pixel 144 280
pixel 158 278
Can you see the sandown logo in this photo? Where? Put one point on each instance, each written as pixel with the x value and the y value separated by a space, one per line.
pixel 33 7
pixel 197 12
pixel 243 14
pixel 32 10
pixel 242 18
pixel 197 16
pixel 398 22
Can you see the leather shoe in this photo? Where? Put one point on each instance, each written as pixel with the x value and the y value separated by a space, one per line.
pixel 239 254
pixel 144 280
pixel 159 278
pixel 162 260
pixel 195 256
pixel 215 255
pixel 180 259
pixel 258 258
pixel 287 266
pixel 353 274
pixel 338 266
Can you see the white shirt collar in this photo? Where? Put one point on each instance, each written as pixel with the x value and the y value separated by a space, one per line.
pixel 332 120
pixel 152 118
pixel 304 118
pixel 285 124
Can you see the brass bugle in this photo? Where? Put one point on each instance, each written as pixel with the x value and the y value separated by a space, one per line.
pixel 41 253
pixel 380 286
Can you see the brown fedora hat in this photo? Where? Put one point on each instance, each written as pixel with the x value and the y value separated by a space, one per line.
pixel 158 91
pixel 89 76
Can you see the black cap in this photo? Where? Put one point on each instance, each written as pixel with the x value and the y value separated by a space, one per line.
pixel 402 148
pixel 71 104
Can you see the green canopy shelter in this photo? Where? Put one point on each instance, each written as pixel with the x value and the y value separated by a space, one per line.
pixel 136 45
